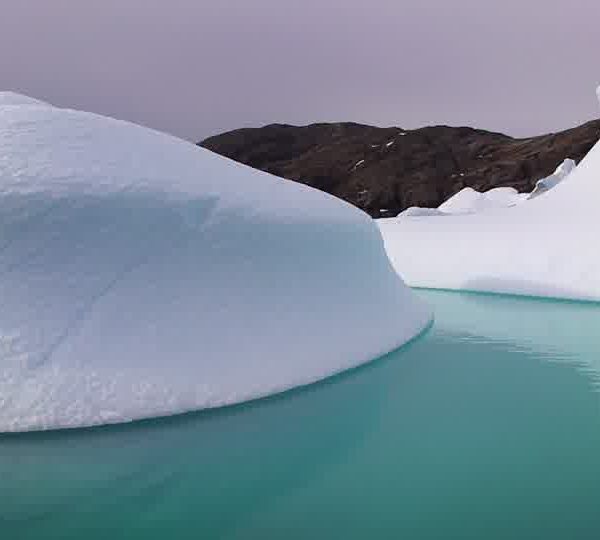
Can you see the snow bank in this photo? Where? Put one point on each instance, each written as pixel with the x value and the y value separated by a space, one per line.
pixel 141 276
pixel 546 246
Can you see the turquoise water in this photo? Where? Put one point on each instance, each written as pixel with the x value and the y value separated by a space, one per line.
pixel 486 427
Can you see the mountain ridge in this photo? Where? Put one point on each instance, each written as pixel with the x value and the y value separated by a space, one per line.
pixel 386 170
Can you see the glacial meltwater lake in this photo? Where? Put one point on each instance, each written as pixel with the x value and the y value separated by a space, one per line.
pixel 485 427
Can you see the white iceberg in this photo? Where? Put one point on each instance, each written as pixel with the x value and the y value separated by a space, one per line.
pixel 11 99
pixel 470 201
pixel 142 276
pixel 415 211
pixel 546 246
pixel 561 172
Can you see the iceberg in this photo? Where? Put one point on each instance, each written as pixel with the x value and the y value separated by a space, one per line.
pixel 561 172
pixel 9 99
pixel 143 276
pixel 545 246
pixel 470 201
pixel 420 211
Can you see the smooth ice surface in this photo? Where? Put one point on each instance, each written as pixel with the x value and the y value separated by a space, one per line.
pixel 141 275
pixel 546 246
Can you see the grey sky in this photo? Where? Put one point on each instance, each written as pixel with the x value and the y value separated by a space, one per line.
pixel 199 67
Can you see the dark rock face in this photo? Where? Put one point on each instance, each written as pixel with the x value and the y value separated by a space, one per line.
pixel 386 170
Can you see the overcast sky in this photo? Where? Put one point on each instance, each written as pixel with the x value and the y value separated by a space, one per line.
pixel 199 67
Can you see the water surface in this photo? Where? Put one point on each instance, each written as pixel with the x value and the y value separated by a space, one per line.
pixel 488 426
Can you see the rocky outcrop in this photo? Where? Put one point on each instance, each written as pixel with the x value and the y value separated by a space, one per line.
pixel 386 170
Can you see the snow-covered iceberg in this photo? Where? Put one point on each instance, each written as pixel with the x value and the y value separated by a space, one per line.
pixel 9 99
pixel 141 275
pixel 471 201
pixel 421 211
pixel 546 246
pixel 561 172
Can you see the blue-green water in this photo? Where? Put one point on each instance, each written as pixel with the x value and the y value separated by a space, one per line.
pixel 486 427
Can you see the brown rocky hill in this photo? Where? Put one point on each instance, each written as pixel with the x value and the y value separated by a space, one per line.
pixel 386 170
